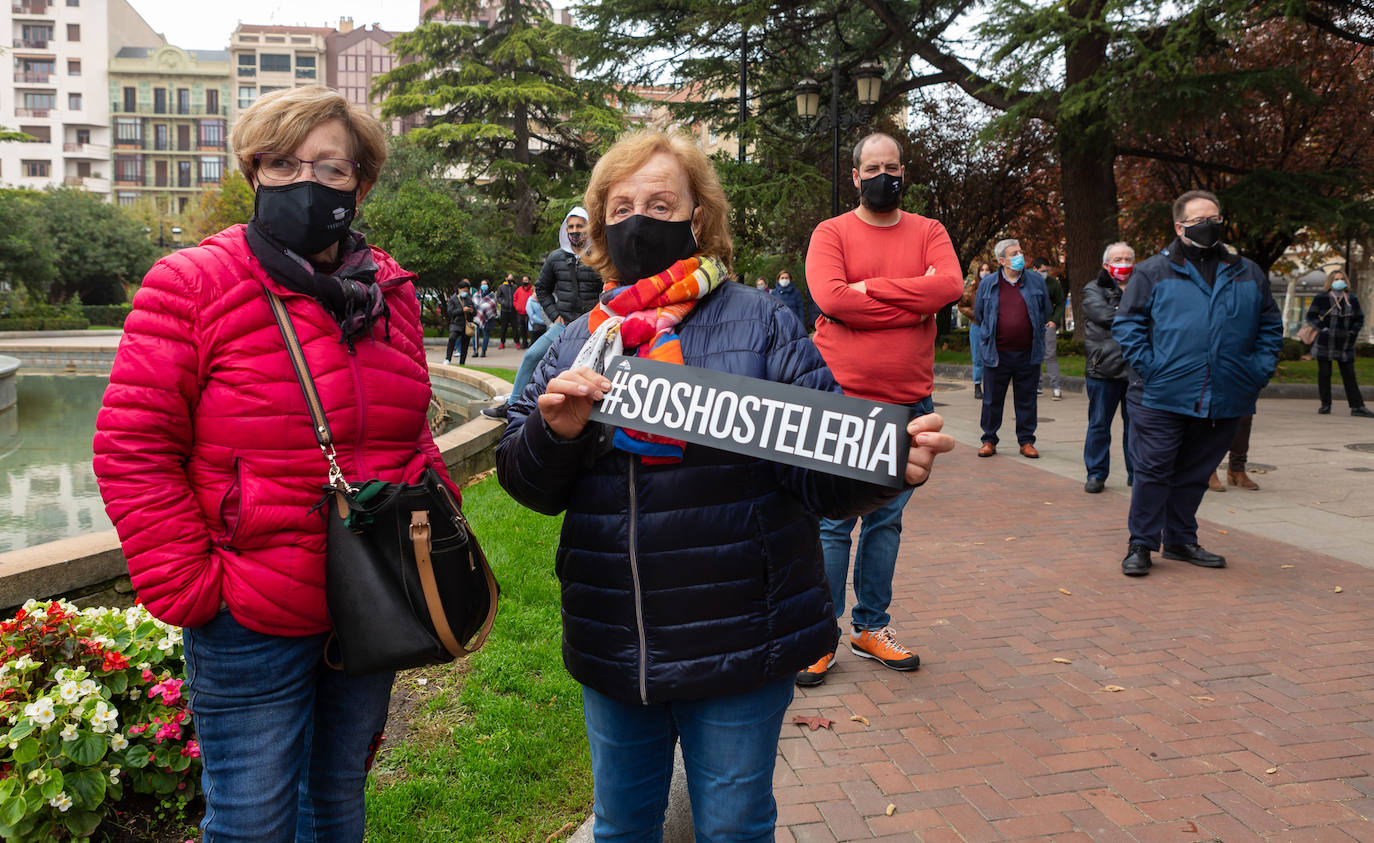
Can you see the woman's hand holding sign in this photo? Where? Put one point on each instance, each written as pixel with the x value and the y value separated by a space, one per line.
pixel 567 401
pixel 926 442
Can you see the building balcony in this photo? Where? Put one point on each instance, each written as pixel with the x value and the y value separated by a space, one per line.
pixel 26 78
pixel 118 109
pixel 245 71
pixel 34 112
pixel 32 43
pixel 29 7
pixel 86 150
pixel 93 184
pixel 305 73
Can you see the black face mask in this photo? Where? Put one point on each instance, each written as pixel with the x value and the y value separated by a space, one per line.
pixel 643 246
pixel 1205 234
pixel 881 193
pixel 577 240
pixel 305 216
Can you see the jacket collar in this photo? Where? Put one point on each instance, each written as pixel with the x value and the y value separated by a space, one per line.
pixel 1174 253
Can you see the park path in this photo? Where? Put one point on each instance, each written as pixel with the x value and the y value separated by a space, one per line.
pixel 1246 709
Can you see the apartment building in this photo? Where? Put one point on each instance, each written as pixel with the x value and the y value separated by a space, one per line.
pixel 170 110
pixel 53 87
pixel 354 58
pixel 269 58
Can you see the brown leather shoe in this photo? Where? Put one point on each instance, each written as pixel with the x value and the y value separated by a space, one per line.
pixel 1028 451
pixel 1241 479
pixel 1214 483
pixel 987 450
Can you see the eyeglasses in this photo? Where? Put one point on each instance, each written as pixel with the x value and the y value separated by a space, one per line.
pixel 1218 219
pixel 282 167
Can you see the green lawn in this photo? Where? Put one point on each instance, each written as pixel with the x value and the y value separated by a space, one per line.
pixel 496 749
pixel 1290 371
pixel 504 374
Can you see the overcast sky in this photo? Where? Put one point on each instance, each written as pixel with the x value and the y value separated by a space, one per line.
pixel 207 25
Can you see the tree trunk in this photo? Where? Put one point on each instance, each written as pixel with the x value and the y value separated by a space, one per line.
pixel 524 202
pixel 1087 151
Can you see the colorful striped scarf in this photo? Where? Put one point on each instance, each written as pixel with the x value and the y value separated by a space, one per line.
pixel 644 316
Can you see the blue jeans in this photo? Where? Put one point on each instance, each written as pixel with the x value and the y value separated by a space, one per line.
pixel 729 748
pixel 1104 396
pixel 531 360
pixel 285 740
pixel 481 338
pixel 874 560
pixel 973 334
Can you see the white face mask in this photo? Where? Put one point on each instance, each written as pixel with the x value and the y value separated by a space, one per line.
pixel 783 282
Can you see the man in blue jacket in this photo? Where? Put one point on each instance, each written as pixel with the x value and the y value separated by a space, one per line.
pixel 1201 333
pixel 1011 309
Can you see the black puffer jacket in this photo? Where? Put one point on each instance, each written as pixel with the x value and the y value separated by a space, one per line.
pixel 699 578
pixel 1100 301
pixel 567 287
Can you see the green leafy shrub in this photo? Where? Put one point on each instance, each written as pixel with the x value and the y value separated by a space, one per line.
pixel 106 314
pixel 1070 347
pixel 1292 349
pixel 1364 349
pixel 956 340
pixel 94 703
pixel 43 323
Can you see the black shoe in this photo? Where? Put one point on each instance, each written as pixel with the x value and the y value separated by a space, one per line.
pixel 1094 485
pixel 1362 412
pixel 978 392
pixel 1193 554
pixel 1137 562
pixel 1130 479
pixel 500 411
pixel 1324 410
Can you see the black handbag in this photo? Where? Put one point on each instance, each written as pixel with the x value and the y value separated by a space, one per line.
pixel 406 582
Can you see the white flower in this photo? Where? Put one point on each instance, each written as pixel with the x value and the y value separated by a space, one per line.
pixel 104 716
pixel 145 665
pixel 166 644
pixel 69 692
pixel 4 668
pixel 14 745
pixel 88 687
pixel 40 711
pixel 38 776
pixel 118 742
pixel 23 663
pixel 69 732
pixel 114 775
pixel 61 801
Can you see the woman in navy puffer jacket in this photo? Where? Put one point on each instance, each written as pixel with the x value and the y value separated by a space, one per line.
pixel 693 586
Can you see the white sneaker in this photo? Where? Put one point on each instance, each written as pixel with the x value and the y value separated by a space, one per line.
pixel 1057 395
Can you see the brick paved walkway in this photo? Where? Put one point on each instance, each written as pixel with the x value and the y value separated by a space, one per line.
pixel 1226 675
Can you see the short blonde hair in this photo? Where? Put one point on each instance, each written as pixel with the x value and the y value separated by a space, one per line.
pixel 629 154
pixel 279 122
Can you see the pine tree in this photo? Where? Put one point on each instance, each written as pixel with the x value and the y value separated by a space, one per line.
pixel 500 101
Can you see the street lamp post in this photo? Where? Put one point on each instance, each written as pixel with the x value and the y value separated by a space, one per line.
pixel 868 81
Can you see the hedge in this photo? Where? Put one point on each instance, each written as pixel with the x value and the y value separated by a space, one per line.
pixel 105 314
pixel 43 323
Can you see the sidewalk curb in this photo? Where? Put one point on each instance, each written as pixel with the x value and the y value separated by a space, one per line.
pixel 1307 391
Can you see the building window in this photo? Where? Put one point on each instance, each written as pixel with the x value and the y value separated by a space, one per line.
pixel 37 169
pixel 35 35
pixel 212 101
pixel 38 105
pixel 247 93
pixel 73 32
pixel 305 67
pixel 183 174
pixel 267 89
pixel 73 3
pixel 274 62
pixel 212 133
pixel 128 131
pixel 160 136
pixel 129 169
pixel 211 169
pixel 159 100
pixel 73 67
pixel 83 136
pixel 183 100
pixel 73 102
pixel 130 99
pixel 127 200
pixel 41 134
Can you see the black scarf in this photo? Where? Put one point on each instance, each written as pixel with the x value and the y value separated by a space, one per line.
pixel 350 294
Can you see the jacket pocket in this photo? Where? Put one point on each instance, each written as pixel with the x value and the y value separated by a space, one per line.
pixel 231 506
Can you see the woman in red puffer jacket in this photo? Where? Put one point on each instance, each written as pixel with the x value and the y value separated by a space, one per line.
pixel 207 461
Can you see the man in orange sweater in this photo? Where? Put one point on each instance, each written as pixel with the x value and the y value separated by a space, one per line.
pixel 878 276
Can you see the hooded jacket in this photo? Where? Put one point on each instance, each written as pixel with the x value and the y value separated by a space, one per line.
pixel 567 287
pixel 204 449
pixel 699 578
pixel 1199 350
pixel 1100 301
pixel 793 299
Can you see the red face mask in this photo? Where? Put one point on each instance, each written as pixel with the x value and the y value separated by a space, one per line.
pixel 1118 272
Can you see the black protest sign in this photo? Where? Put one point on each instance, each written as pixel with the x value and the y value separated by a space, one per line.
pixel 824 431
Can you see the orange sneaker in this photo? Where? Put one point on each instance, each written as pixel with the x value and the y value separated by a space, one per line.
pixel 815 674
pixel 878 644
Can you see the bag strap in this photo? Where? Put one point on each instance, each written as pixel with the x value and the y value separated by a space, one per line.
pixel 312 396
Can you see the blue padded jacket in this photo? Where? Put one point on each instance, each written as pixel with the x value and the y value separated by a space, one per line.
pixel 700 578
pixel 1196 350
